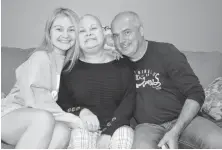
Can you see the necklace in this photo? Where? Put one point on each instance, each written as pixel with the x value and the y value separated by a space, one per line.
pixel 58 68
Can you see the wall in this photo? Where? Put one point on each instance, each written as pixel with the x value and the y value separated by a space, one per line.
pixel 189 24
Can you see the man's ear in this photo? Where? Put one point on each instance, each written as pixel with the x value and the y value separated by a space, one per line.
pixel 141 30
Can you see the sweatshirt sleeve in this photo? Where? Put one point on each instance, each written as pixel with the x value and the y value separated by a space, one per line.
pixel 34 78
pixel 123 113
pixel 182 74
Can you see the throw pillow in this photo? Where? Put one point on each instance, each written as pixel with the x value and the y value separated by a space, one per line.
pixel 213 102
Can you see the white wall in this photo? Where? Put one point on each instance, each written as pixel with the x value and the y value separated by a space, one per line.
pixel 189 24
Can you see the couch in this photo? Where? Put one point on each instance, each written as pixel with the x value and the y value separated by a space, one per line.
pixel 206 65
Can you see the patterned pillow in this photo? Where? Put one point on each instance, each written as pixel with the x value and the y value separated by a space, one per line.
pixel 213 102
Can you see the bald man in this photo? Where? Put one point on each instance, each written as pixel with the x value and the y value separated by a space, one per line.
pixel 169 94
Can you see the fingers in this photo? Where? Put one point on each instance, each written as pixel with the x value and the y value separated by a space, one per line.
pixel 161 143
pixel 173 145
pixel 164 144
pixel 116 54
pixel 90 120
pixel 74 125
pixel 164 147
pixel 92 124
pixel 96 125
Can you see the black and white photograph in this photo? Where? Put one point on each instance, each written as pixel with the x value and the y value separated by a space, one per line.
pixel 111 74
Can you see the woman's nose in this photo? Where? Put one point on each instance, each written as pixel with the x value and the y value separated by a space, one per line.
pixel 65 34
pixel 88 33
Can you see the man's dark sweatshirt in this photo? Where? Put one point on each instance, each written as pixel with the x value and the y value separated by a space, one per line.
pixel 164 80
pixel 108 90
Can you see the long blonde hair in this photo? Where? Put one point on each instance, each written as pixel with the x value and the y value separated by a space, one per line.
pixel 73 53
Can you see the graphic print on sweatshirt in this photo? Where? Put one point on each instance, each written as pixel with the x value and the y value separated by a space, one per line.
pixel 147 77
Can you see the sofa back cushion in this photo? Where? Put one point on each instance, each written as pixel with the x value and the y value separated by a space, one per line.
pixel 206 65
pixel 11 59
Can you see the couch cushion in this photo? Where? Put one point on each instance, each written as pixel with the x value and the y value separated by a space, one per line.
pixel 213 102
pixel 206 65
pixel 11 59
